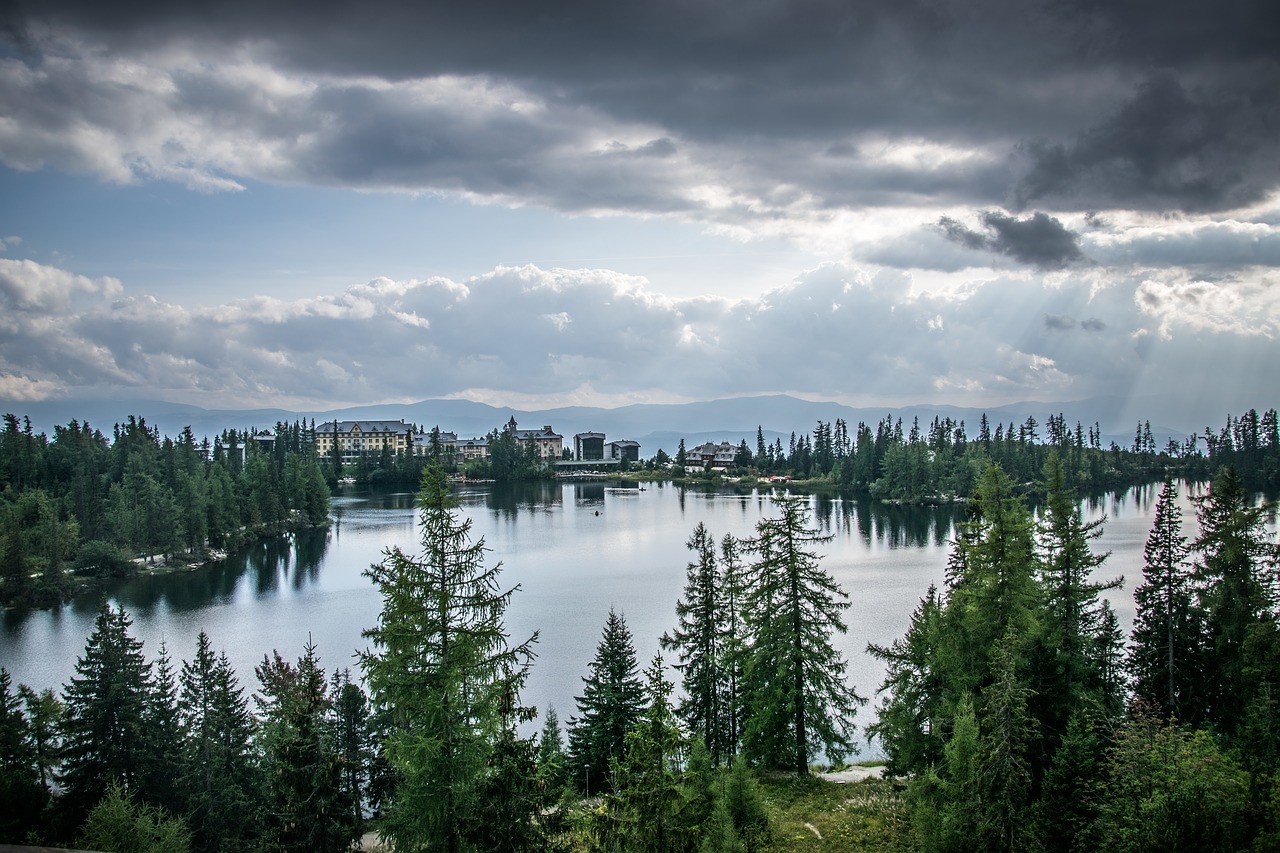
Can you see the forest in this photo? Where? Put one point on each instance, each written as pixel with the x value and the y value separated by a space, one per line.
pixel 81 506
pixel 1013 716
pixel 940 461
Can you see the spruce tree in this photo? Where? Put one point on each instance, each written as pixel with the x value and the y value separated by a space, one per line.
pixel 798 700
pixel 643 811
pixel 517 811
pixel 1236 577
pixel 352 741
pixel 553 761
pixel 699 643
pixel 44 718
pixel 1166 647
pixel 1072 615
pixel 610 704
pixel 104 733
pixel 733 644
pixel 307 807
pixel 909 718
pixel 164 737
pixel 219 778
pixel 992 585
pixel 440 668
pixel 22 795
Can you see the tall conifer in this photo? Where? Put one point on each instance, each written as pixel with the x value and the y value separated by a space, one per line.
pixel 103 729
pixel 1166 647
pixel 610 704
pixel 441 668
pixel 798 700
pixel 699 643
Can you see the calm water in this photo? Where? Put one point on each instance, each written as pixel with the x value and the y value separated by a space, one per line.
pixel 575 549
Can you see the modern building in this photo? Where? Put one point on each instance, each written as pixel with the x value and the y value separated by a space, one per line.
pixel 588 446
pixel 623 450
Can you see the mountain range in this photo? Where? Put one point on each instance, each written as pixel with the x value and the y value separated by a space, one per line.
pixel 653 425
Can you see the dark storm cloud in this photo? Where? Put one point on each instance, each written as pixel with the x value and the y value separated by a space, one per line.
pixel 1039 240
pixel 777 88
pixel 1209 148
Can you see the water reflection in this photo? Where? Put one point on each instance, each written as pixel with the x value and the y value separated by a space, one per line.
pixel 571 565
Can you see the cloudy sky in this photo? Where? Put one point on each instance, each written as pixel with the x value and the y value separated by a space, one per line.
pixel 548 203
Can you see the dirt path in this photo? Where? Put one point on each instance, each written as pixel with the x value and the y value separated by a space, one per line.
pixel 853 774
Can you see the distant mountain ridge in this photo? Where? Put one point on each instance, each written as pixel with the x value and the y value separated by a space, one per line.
pixel 654 425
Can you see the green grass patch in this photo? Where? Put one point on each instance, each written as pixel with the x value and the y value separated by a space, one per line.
pixel 816 815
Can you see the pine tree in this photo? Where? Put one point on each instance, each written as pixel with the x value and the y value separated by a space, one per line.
pixel 909 719
pixel 22 794
pixel 642 812
pixel 553 761
pixel 610 704
pixel 104 726
pixel 1166 645
pixel 699 643
pixel 733 644
pixel 352 742
pixel 219 779
pixel 307 807
pixel 440 666
pixel 164 737
pixel 1072 613
pixel 798 701
pixel 1235 572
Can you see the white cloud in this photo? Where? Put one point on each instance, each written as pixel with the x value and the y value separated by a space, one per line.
pixel 1239 308
pixel 595 336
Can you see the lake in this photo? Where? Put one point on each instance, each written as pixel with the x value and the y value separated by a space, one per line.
pixel 575 550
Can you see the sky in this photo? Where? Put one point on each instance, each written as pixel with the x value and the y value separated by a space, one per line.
pixel 875 202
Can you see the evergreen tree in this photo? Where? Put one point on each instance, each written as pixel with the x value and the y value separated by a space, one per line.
pixel 992 584
pixel 1009 735
pixel 121 823
pixel 798 701
pixel 1071 620
pixel 517 811
pixel 745 805
pixel 44 718
pixel 1166 648
pixel 307 805
pixel 353 742
pixel 610 704
pixel 699 642
pixel 733 643
pixel 1066 809
pixel 909 719
pixel 103 733
pixel 219 779
pixel 642 813
pixel 1169 788
pixel 553 761
pixel 1236 576
pixel 164 738
pixel 441 667
pixel 22 794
